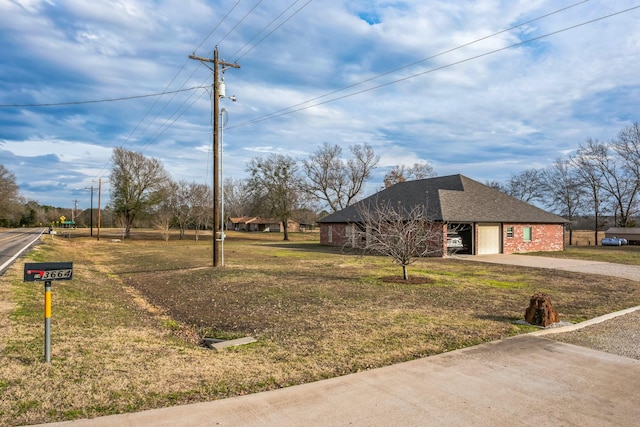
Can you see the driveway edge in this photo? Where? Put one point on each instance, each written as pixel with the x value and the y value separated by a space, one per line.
pixel 586 323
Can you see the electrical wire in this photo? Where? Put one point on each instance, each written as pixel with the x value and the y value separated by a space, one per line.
pixel 217 26
pixel 295 108
pixel 124 98
pixel 290 111
pixel 300 106
pixel 246 15
pixel 175 116
pixel 272 31
pixel 263 29
pixel 133 131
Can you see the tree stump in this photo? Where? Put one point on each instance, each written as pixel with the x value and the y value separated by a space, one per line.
pixel 540 311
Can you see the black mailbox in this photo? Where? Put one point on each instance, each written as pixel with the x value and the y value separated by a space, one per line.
pixel 46 271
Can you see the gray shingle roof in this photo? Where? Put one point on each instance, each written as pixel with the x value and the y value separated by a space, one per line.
pixel 453 198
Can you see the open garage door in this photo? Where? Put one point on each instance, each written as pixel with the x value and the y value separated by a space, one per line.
pixel 488 239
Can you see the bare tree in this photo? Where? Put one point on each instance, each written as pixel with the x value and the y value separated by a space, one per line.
pixel 401 233
pixel 618 181
pixel 337 181
pixel 136 182
pixel 183 207
pixel 586 166
pixel 237 202
pixel 628 148
pixel 527 186
pixel 402 173
pixel 275 187
pixel 564 190
pixel 121 223
pixel 497 185
pixel 10 202
pixel 164 211
pixel 201 200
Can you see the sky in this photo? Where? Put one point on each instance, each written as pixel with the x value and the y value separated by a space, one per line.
pixel 484 88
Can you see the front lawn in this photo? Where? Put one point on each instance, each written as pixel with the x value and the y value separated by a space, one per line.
pixel 126 331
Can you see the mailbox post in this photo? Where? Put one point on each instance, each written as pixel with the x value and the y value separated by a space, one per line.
pixel 47 272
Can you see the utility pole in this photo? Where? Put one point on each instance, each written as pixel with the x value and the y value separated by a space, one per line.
pixel 217 221
pixel 99 193
pixel 91 211
pixel 75 208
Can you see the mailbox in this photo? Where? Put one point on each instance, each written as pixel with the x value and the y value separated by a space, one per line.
pixel 47 271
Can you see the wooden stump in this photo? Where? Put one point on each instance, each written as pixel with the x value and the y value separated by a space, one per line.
pixel 540 311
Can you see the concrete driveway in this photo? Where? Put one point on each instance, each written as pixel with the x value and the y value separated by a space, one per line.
pixel 631 272
pixel 526 380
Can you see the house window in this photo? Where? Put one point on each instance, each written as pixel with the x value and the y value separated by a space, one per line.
pixel 526 234
pixel 350 234
pixel 509 231
pixel 330 234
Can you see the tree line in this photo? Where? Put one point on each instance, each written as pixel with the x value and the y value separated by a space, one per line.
pixel 276 187
pixel 600 180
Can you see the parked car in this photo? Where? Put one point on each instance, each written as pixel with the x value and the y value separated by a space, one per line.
pixel 614 241
pixel 454 242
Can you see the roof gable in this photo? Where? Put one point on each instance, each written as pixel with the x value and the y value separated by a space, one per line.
pixel 452 198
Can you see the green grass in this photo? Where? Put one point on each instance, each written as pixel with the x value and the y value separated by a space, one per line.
pixel 126 331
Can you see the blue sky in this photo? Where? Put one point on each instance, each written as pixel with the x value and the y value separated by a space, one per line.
pixel 422 82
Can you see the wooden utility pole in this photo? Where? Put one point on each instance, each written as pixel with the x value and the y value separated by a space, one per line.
pixel 99 192
pixel 217 221
pixel 91 211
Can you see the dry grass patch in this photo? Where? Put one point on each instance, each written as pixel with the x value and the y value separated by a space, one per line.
pixel 126 329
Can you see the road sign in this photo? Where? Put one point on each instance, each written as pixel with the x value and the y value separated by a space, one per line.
pixel 47 271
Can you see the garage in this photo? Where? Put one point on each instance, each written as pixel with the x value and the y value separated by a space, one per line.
pixel 488 239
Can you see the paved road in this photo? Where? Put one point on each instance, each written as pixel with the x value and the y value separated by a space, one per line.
pixel 526 380
pixel 13 242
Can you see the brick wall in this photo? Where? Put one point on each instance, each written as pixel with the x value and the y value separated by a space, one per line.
pixel 333 234
pixel 544 237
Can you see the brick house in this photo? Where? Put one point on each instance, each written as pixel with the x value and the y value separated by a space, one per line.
pixel 252 223
pixel 487 220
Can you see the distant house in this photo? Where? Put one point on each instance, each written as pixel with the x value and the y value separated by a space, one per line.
pixel 487 220
pixel 632 234
pixel 260 224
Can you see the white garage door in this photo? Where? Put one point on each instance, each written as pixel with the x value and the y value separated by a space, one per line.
pixel 488 239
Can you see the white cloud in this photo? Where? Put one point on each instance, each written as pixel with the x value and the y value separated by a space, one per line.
pixel 485 117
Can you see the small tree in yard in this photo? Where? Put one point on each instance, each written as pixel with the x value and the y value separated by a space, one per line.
pixel 201 196
pixel 165 210
pixel 402 233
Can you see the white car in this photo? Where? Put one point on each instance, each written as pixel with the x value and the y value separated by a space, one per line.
pixel 454 241
pixel 614 241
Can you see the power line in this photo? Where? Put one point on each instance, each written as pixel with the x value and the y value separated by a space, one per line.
pixel 216 27
pixel 127 98
pixel 291 110
pixel 246 15
pixel 294 108
pixel 133 131
pixel 170 122
pixel 272 31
